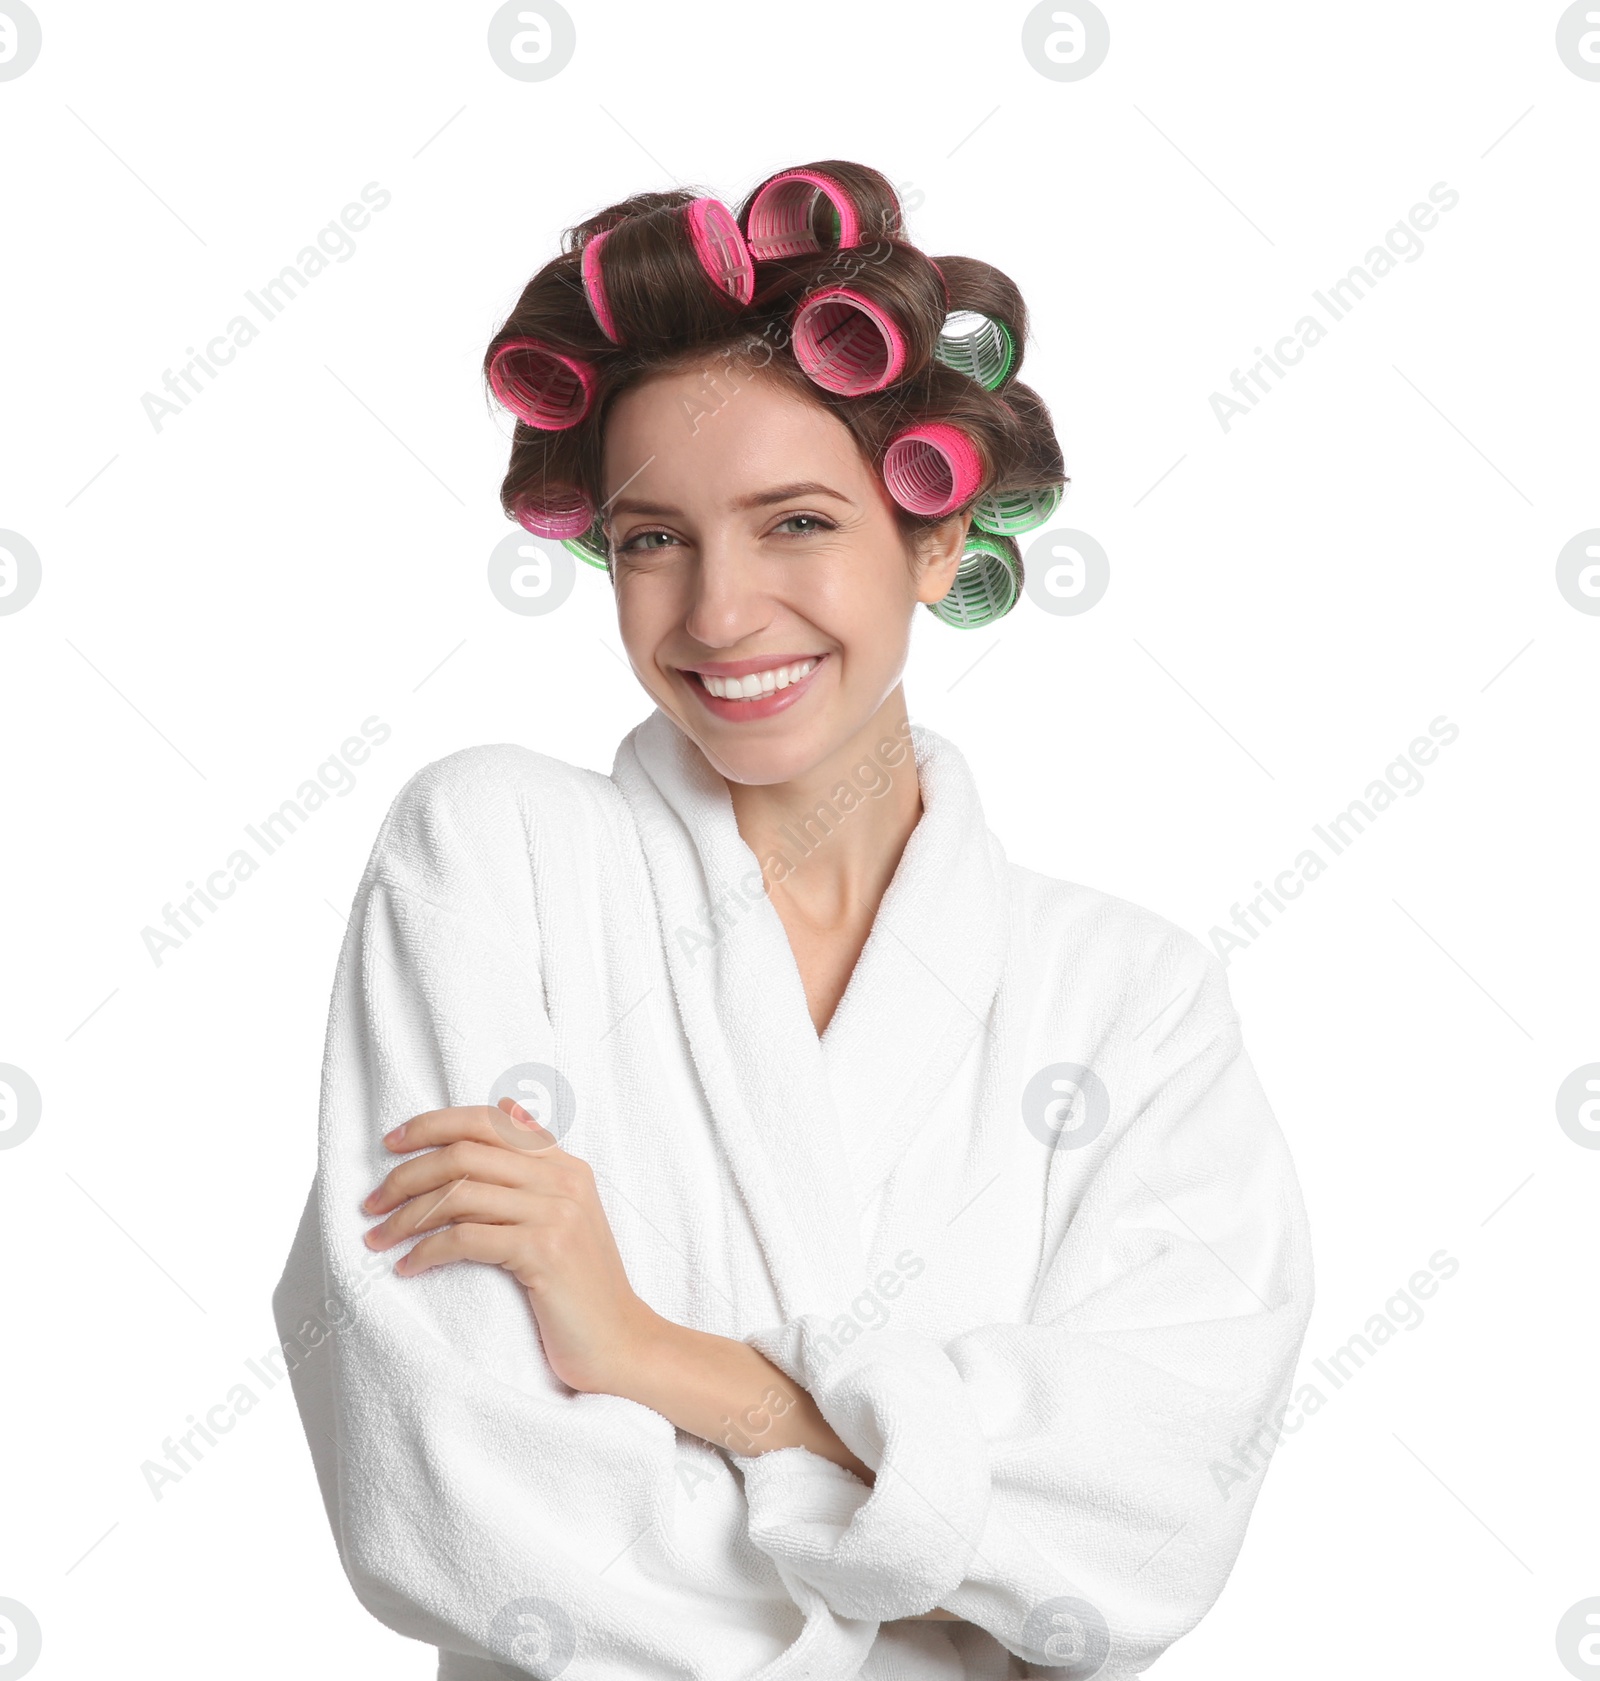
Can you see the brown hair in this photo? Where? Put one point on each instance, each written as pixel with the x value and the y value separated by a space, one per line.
pixel 668 311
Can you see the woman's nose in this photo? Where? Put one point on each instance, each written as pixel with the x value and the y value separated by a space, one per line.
pixel 727 594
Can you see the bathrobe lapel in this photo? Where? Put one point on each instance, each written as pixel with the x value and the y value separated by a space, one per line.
pixel 923 987
pixel 811 1127
pixel 743 1011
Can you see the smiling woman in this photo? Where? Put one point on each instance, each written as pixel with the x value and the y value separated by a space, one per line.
pixel 859 1281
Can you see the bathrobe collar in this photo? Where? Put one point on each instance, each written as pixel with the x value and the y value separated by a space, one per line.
pixel 812 1128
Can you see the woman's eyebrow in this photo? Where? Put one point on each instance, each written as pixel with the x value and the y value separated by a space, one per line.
pixel 783 492
pixel 757 499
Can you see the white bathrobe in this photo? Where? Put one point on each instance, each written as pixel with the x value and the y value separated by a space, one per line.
pixel 1021 1221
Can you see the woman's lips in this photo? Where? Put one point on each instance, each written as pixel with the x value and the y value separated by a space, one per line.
pixel 761 706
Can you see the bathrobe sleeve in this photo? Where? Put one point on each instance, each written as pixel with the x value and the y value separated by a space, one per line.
pixel 1079 1484
pixel 476 1503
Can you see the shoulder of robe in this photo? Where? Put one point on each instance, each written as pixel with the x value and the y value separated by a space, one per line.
pixel 465 824
pixel 1123 960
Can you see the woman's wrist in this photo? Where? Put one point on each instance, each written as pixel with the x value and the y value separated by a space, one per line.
pixel 727 1393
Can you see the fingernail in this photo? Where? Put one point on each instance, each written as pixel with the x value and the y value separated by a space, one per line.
pixel 394 1136
pixel 521 1115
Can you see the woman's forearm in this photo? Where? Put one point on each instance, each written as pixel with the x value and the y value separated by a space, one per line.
pixel 726 1392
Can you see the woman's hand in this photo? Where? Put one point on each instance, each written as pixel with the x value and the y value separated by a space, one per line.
pixel 493 1185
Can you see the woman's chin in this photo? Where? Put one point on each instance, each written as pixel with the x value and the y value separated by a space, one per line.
pixel 767 738
pixel 759 763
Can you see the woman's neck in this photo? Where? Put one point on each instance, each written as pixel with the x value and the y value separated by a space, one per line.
pixel 829 842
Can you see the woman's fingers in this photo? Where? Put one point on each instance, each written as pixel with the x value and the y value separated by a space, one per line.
pixel 462 1199
pixel 465 1160
pixel 509 1125
pixel 488 1171
pixel 534 1240
pixel 498 1245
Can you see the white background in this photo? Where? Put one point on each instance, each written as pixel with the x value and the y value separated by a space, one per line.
pixel 305 546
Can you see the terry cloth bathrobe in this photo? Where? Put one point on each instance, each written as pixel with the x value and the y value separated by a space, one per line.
pixel 1021 1221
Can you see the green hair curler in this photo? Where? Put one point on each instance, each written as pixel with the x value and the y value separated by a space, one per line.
pixel 591 547
pixel 986 586
pixel 976 345
pixel 1008 513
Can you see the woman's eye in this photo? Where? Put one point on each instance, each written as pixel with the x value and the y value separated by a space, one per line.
pixel 637 542
pixel 643 542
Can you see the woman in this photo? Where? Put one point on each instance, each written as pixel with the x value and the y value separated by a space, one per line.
pixel 760 1231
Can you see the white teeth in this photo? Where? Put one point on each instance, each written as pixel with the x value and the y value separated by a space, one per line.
pixel 758 682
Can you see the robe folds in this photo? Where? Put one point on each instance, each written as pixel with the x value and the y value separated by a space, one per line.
pixel 1021 1220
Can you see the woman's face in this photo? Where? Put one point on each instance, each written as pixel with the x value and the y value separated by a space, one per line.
pixel 750 535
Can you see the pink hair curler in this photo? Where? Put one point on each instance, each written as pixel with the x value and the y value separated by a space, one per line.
pixel 782 219
pixel 932 469
pixel 847 343
pixel 594 286
pixel 543 387
pixel 943 282
pixel 721 249
pixel 559 511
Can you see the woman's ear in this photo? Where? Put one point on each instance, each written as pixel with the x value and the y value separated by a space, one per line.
pixel 939 551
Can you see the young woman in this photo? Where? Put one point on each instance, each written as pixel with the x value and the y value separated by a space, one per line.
pixel 759 1230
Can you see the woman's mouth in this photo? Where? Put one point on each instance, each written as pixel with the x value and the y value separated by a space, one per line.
pixel 759 694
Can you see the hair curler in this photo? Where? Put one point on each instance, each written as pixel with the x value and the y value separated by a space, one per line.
pixel 977 345
pixel 721 248
pixel 594 286
pixel 784 215
pixel 1007 513
pixel 555 511
pixel 591 546
pixel 932 469
pixel 986 587
pixel 712 235
pixel 847 343
pixel 543 387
